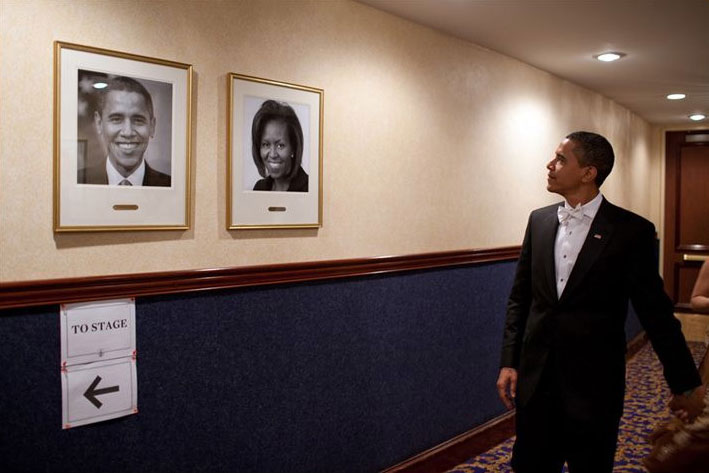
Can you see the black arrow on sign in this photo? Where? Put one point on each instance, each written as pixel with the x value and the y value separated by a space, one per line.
pixel 92 392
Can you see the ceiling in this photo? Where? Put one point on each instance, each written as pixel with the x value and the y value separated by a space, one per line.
pixel 666 42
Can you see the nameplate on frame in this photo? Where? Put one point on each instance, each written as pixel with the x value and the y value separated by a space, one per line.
pixel 125 207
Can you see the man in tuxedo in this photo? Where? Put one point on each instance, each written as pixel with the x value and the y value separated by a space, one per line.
pixel 563 351
pixel 125 122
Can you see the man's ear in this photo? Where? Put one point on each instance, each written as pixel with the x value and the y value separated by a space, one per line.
pixel 590 175
pixel 152 127
pixel 97 122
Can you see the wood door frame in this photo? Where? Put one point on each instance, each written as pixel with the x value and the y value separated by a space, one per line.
pixel 674 140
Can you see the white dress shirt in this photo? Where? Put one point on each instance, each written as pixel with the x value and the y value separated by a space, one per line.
pixel 115 177
pixel 570 236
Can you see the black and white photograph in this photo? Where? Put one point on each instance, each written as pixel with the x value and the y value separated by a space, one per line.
pixel 278 137
pixel 275 160
pixel 126 125
pixel 122 156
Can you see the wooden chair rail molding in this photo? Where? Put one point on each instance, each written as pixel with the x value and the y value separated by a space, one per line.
pixel 58 291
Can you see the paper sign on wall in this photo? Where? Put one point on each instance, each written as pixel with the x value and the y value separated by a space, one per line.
pixel 98 361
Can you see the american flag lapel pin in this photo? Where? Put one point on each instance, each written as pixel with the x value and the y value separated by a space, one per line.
pixel 597 236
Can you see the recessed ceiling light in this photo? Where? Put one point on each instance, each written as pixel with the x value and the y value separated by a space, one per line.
pixel 609 56
pixel 100 85
pixel 676 96
pixel 697 117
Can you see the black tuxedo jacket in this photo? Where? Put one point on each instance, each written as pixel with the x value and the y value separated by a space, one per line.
pixel 97 175
pixel 584 330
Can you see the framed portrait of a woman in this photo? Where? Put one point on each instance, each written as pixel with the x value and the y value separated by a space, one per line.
pixel 274 164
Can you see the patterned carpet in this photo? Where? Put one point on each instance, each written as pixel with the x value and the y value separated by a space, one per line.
pixel 646 401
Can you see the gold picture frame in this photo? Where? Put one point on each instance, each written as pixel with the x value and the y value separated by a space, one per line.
pixel 122 141
pixel 275 154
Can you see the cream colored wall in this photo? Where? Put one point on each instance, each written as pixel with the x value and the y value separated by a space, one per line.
pixel 430 143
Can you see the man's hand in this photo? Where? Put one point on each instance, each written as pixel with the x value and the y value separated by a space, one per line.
pixel 688 407
pixel 507 386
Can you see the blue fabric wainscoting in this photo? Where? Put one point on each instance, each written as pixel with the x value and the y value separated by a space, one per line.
pixel 350 375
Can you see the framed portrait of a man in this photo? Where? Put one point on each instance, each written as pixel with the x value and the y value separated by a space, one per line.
pixel 122 141
pixel 275 154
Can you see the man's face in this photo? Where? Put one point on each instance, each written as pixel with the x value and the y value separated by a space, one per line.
pixel 566 175
pixel 125 126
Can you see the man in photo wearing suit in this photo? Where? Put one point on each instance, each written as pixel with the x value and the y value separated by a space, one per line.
pixel 563 351
pixel 125 122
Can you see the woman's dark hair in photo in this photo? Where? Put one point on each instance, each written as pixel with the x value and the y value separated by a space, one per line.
pixel 279 112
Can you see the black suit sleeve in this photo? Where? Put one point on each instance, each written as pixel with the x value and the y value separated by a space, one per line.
pixel 656 313
pixel 518 304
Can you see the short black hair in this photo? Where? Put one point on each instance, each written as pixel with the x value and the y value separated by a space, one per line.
pixel 125 84
pixel 272 111
pixel 594 150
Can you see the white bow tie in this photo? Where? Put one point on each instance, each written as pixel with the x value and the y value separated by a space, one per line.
pixel 565 214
